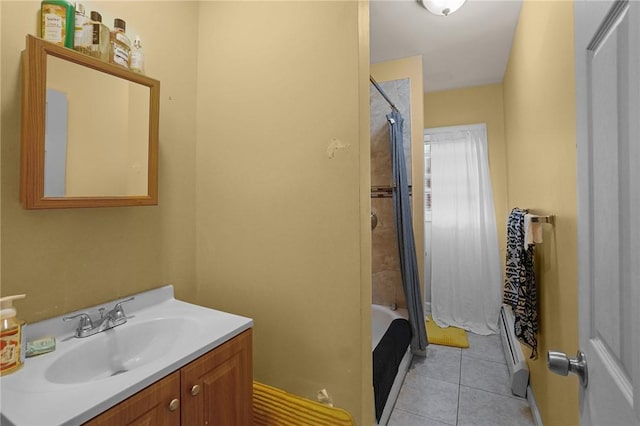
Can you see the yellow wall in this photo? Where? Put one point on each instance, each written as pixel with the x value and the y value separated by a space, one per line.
pixel 1 120
pixel 411 68
pixel 255 216
pixel 539 104
pixel 366 391
pixel 279 221
pixel 279 212
pixel 480 104
pixel 72 258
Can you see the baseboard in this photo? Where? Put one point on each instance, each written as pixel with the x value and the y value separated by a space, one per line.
pixel 534 407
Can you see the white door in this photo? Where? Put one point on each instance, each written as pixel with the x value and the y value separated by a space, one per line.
pixel 608 137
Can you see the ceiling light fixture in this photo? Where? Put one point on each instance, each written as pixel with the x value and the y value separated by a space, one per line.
pixel 442 7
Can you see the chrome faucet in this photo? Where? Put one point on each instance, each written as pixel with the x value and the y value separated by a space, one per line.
pixel 89 327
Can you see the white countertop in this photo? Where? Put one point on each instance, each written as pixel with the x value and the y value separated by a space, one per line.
pixel 29 398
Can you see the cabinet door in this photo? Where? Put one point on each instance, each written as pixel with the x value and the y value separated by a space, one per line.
pixel 217 388
pixel 157 405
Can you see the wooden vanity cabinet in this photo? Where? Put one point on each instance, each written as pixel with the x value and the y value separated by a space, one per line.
pixel 150 406
pixel 215 389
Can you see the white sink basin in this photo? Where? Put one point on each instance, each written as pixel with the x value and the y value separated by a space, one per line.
pixel 119 350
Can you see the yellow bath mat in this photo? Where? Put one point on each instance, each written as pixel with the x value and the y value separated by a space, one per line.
pixel 450 336
pixel 272 406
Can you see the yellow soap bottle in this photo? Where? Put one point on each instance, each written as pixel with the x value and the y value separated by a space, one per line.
pixel 11 343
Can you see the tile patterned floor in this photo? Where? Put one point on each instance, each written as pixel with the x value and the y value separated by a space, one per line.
pixel 460 387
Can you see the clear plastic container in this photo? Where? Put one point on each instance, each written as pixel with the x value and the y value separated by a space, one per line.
pixel 11 339
pixel 80 40
pixel 96 37
pixel 120 45
pixel 137 56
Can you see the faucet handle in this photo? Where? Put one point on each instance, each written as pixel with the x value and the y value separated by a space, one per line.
pixel 118 311
pixel 118 305
pixel 85 321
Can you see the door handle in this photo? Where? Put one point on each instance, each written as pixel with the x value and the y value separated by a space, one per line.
pixel 560 363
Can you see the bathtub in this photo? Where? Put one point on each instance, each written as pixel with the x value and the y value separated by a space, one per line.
pixel 382 318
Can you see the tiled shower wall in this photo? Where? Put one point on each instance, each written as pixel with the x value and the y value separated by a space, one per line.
pixel 386 278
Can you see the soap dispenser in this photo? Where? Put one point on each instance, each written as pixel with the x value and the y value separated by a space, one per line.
pixel 11 343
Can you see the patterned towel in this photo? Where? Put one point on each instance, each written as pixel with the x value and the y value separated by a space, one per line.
pixel 520 282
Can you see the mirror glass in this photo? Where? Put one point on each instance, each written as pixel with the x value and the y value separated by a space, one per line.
pixel 96 133
pixel 89 131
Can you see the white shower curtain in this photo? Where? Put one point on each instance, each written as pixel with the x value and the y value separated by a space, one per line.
pixel 466 286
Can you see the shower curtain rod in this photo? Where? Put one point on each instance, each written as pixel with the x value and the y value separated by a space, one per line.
pixel 384 95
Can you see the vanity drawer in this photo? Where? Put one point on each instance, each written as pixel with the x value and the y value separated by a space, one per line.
pixel 159 404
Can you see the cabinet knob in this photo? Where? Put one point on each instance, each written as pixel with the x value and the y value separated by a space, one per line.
pixel 174 404
pixel 195 390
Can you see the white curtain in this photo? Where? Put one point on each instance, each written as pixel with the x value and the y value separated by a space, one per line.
pixel 466 286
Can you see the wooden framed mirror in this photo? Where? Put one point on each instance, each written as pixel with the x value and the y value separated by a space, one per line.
pixel 89 131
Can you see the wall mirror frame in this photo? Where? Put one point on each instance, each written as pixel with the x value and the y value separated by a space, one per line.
pixel 34 103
